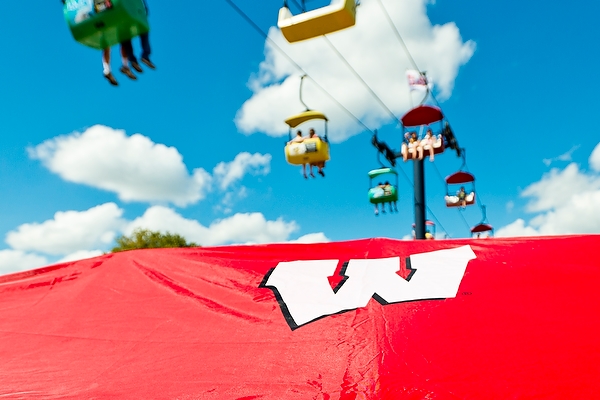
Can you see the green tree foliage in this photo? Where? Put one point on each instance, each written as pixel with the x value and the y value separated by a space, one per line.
pixel 147 239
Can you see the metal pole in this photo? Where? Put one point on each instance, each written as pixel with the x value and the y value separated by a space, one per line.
pixel 419 180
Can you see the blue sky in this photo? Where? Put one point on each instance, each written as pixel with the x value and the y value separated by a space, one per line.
pixel 516 81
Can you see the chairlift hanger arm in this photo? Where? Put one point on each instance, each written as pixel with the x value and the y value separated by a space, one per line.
pixel 385 150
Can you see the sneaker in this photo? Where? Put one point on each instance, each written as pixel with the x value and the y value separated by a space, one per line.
pixel 148 63
pixel 322 174
pixel 111 79
pixel 128 72
pixel 136 66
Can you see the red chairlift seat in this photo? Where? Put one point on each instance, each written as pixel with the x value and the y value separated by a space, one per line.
pixel 423 116
pixel 481 228
pixel 460 178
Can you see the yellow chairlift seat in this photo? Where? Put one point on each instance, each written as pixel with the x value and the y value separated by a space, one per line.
pixel 322 21
pixel 309 151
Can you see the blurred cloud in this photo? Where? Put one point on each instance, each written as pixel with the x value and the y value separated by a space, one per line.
pixel 80 255
pixel 371 47
pixel 137 169
pixel 244 163
pixel 566 202
pixel 134 167
pixel 318 237
pixel 76 235
pixel 239 228
pixel 595 158
pixel 568 156
pixel 69 231
pixel 16 260
pixel 515 229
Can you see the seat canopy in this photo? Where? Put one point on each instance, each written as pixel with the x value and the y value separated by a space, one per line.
pixel 460 177
pixel 102 23
pixel 381 171
pixel 301 118
pixel 322 21
pixel 422 115
pixel 481 228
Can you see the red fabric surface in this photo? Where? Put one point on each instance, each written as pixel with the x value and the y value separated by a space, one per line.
pixel 196 324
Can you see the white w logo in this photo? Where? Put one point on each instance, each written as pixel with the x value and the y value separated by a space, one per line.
pixel 305 293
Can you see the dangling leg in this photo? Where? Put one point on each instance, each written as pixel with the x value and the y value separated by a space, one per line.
pixel 125 49
pixel 106 67
pixel 376 209
pixel 128 48
pixel 145 41
pixel 304 171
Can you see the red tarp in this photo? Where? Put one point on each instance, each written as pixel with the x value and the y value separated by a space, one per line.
pixel 520 322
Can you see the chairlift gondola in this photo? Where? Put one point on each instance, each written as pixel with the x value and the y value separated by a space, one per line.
pixel 321 21
pixel 482 228
pixel 100 24
pixel 382 193
pixel 423 116
pixel 307 150
pixel 479 229
pixel 465 196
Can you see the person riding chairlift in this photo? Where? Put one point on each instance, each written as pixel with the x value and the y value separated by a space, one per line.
pixel 321 164
pixel 299 139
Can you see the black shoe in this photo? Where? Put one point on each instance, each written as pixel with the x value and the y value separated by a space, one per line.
pixel 128 72
pixel 322 174
pixel 148 63
pixel 136 66
pixel 111 79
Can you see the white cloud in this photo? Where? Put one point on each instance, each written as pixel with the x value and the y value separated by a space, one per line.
pixel 134 167
pixel 318 237
pixel 15 260
pixel 565 201
pixel 557 188
pixel 510 206
pixel 595 158
pixel 373 50
pixel 80 255
pixel 69 231
pixel 239 228
pixel 243 163
pixel 568 156
pixel 516 229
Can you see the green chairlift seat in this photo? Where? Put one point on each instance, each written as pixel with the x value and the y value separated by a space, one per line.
pixel 103 23
pixel 379 194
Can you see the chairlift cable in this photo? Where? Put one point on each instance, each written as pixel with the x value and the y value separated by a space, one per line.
pixel 403 43
pixel 357 75
pixel 438 173
pixel 464 219
pixel 294 63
